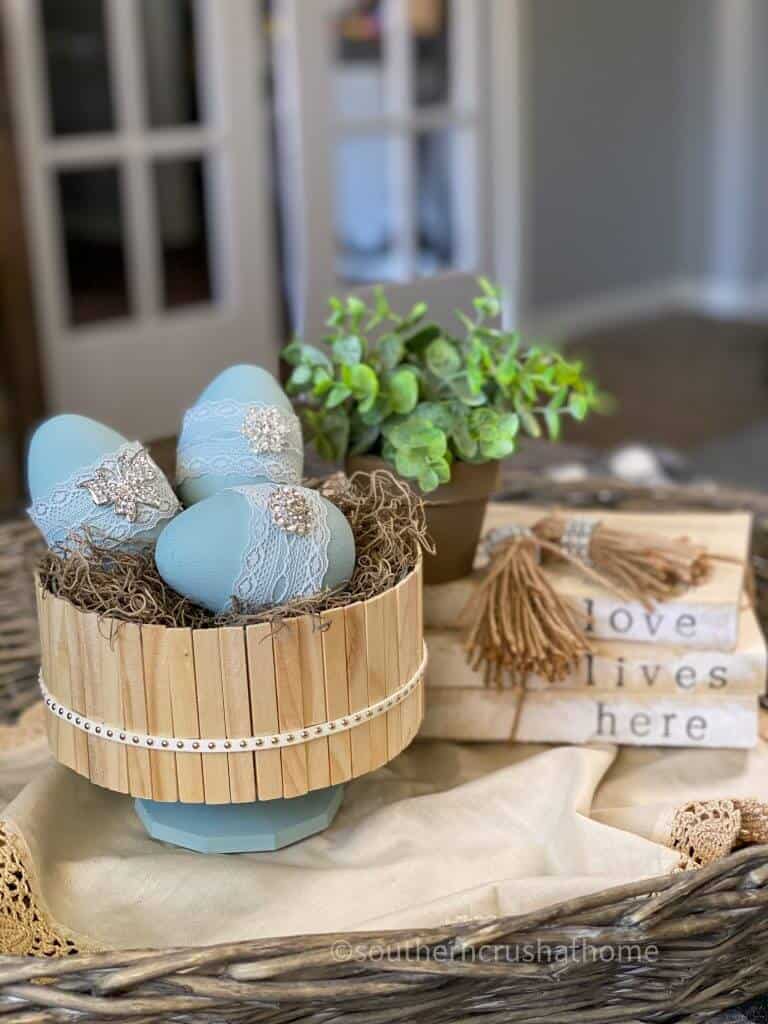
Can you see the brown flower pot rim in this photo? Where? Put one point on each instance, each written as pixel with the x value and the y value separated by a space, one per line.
pixel 470 481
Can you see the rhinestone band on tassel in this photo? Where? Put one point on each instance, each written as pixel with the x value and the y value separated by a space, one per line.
pixel 577 536
pixel 499 534
pixel 230 745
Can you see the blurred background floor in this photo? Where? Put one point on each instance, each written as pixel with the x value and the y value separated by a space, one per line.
pixel 686 382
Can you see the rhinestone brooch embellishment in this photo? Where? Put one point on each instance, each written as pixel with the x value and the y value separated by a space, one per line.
pixel 130 480
pixel 291 511
pixel 267 430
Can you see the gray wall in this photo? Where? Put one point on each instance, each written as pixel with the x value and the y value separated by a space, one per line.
pixel 725 131
pixel 757 244
pixel 605 88
pixel 697 182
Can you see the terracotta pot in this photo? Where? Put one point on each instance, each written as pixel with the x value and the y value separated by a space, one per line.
pixel 455 513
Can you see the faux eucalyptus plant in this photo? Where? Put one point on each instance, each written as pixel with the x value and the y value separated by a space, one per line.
pixel 403 388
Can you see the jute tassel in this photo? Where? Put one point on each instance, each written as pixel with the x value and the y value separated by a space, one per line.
pixel 637 566
pixel 516 623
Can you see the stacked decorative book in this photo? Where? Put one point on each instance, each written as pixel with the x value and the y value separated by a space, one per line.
pixel 686 672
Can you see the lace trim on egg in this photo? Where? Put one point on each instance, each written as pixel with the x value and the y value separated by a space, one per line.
pixel 281 563
pixel 226 437
pixel 121 497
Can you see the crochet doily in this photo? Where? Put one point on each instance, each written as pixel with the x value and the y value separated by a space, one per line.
pixel 703 831
pixel 26 928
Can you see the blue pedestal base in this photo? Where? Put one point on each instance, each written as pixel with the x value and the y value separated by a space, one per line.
pixel 240 828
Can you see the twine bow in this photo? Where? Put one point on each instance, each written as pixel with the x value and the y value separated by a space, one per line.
pixel 517 624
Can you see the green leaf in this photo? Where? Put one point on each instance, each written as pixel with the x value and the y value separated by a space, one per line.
pixel 363 438
pixel 428 479
pixel 441 414
pixel 381 309
pixel 292 353
pixel 442 469
pixel 442 358
pixel 462 390
pixel 578 406
pixel 336 315
pixel 558 399
pixel 390 350
pixel 337 428
pixel 403 391
pixel 417 313
pixel 529 387
pixel 347 351
pixel 488 306
pixel 382 304
pixel 322 382
pixel 377 413
pixel 509 424
pixel 465 444
pixel 528 420
pixel 497 448
pixel 328 431
pixel 411 432
pixel 363 383
pixel 325 449
pixel 409 464
pixel 296 352
pixel 418 342
pixel 475 379
pixel 355 306
pixel 488 289
pixel 437 446
pixel 339 393
pixel 300 379
pixel 465 321
pixel 553 424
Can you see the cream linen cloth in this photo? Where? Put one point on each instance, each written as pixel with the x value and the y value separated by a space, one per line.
pixel 444 833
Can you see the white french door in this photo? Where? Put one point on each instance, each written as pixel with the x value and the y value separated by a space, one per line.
pixel 144 147
pixel 383 113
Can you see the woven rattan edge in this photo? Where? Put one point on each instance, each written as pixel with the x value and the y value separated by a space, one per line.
pixel 710 926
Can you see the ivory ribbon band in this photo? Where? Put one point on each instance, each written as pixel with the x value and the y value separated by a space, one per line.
pixel 229 745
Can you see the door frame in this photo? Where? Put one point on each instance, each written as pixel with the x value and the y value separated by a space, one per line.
pixel 24 400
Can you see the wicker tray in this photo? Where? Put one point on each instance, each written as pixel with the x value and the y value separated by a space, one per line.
pixel 708 930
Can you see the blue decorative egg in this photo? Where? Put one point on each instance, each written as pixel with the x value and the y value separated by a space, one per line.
pixel 241 430
pixel 82 474
pixel 256 546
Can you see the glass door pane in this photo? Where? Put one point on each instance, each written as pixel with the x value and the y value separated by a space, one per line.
pixel 430 52
pixel 182 221
pixel 170 45
pixel 77 67
pixel 358 69
pixel 434 201
pixel 93 238
pixel 365 240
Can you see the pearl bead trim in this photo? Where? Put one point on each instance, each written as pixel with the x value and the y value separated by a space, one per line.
pixel 230 745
